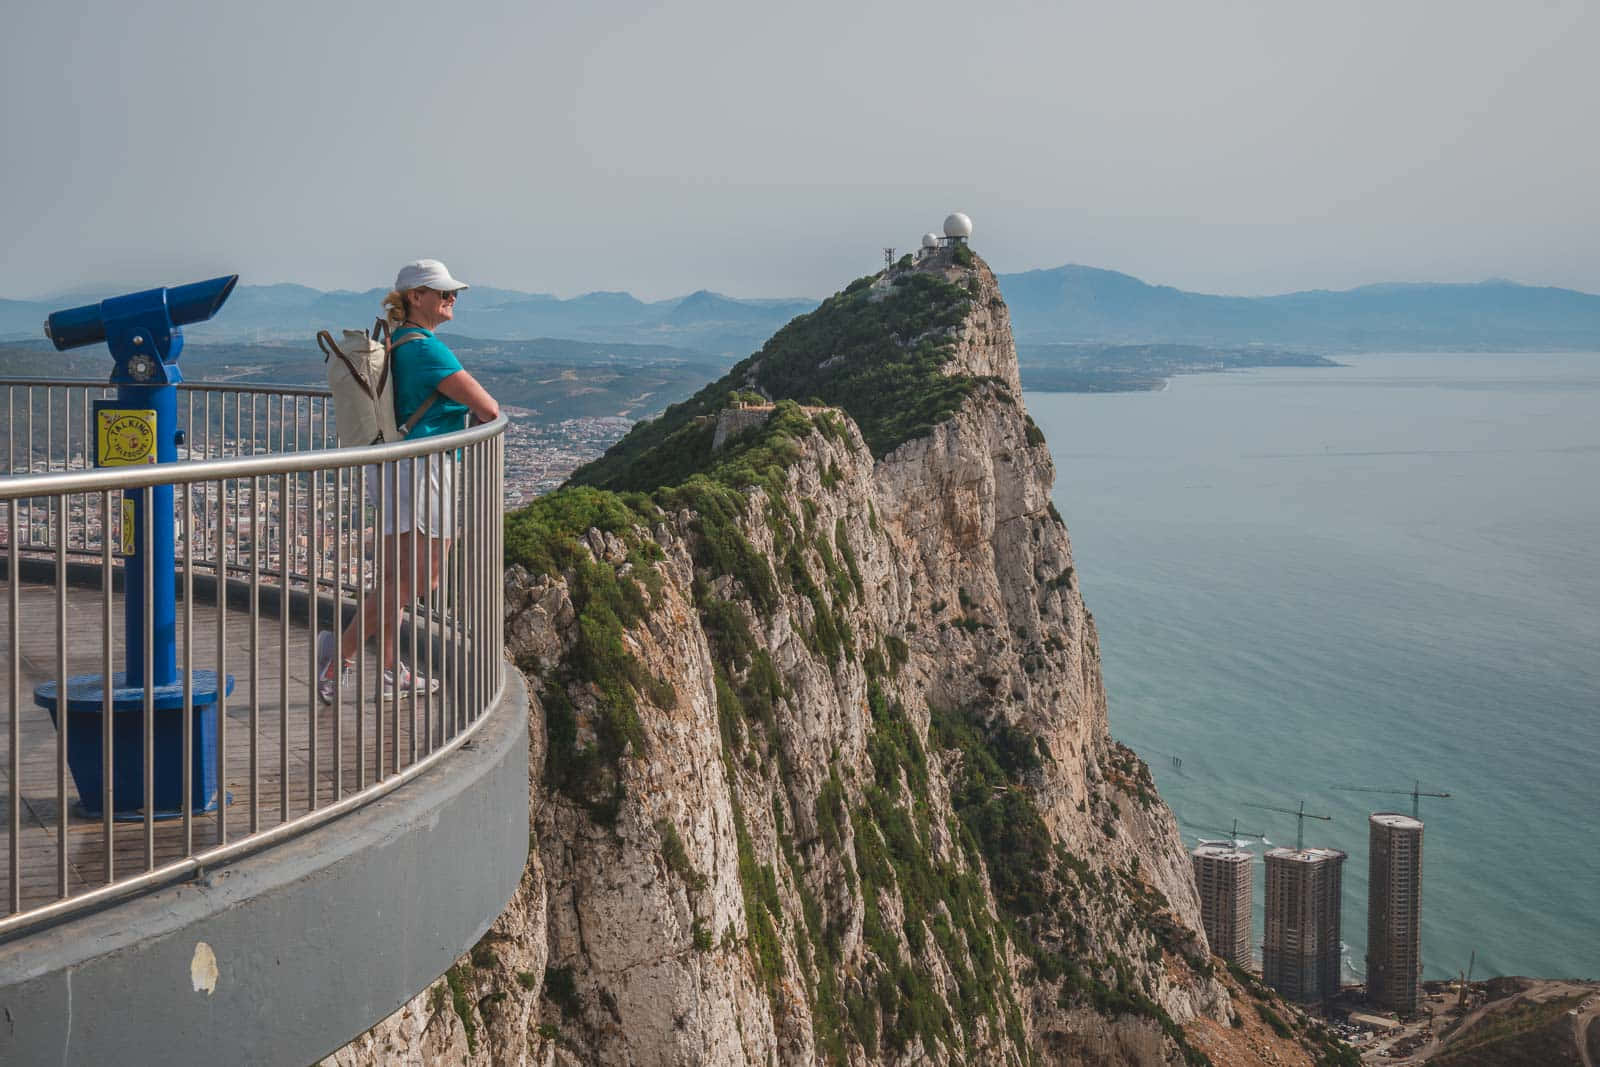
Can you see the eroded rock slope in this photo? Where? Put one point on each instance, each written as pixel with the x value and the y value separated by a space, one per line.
pixel 821 765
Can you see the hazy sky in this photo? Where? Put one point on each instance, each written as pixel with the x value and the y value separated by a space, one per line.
pixel 773 149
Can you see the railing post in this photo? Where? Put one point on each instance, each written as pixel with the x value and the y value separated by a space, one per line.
pixel 222 662
pixel 188 671
pixel 339 536
pixel 256 515
pixel 313 572
pixel 500 560
pixel 152 651
pixel 14 782
pixel 362 512
pixel 107 722
pixel 283 642
pixel 63 817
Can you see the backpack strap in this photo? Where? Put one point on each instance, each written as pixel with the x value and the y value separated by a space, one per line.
pixel 380 329
pixel 330 349
pixel 416 416
pixel 390 343
pixel 422 409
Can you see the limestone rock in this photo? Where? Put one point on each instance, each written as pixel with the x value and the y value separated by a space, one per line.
pixel 799 849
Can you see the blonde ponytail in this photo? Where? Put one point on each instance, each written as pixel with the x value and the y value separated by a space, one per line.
pixel 394 308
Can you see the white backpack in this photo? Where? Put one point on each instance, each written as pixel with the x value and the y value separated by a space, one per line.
pixel 362 381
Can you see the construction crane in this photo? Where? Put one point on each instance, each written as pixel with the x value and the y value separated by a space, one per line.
pixel 1300 825
pixel 1415 793
pixel 1461 1001
pixel 1233 835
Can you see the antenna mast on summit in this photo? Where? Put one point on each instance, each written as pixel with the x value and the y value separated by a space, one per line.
pixel 888 257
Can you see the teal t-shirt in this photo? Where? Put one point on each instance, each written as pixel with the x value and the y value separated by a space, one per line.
pixel 419 367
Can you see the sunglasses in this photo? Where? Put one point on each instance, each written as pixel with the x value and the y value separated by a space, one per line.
pixel 445 294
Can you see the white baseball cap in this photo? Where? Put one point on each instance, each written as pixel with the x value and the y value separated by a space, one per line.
pixel 426 274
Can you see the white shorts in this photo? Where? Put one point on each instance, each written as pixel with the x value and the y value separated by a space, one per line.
pixel 402 486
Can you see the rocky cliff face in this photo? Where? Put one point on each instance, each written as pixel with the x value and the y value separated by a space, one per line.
pixel 821 765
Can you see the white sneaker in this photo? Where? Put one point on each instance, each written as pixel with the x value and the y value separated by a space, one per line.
pixel 325 686
pixel 408 683
pixel 327 651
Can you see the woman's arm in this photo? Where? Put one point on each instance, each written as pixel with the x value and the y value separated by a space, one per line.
pixel 464 388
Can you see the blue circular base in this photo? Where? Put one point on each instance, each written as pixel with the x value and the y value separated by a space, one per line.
pixel 86 692
pixel 85 722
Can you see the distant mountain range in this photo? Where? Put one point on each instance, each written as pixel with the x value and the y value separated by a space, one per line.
pixel 703 322
pixel 1064 304
pixel 1074 303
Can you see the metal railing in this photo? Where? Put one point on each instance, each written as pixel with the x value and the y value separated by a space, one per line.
pixel 278 536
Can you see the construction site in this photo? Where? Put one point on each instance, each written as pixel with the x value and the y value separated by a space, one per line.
pixel 1396 1017
pixel 1502 1022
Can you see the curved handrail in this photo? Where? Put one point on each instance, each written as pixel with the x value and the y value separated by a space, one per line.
pixel 269 388
pixel 292 524
pixel 51 483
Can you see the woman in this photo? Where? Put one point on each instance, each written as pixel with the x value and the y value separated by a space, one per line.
pixel 427 379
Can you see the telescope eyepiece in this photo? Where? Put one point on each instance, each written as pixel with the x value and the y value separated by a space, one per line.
pixel 198 301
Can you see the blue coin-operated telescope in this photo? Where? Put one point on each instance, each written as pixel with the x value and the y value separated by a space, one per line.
pixel 144 333
pixel 143 330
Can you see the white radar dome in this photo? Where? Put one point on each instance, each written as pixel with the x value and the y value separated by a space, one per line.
pixel 958 225
pixel 930 240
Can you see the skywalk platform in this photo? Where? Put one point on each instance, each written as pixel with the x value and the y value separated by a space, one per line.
pixel 365 909
pixel 266 702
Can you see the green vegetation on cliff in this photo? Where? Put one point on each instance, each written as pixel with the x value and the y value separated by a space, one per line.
pixel 872 350
pixel 893 837
pixel 942 897
pixel 598 681
pixel 1041 889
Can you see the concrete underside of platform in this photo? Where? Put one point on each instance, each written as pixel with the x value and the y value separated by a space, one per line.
pixel 285 955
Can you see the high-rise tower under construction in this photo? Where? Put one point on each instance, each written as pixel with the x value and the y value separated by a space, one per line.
pixel 1300 956
pixel 1394 912
pixel 1222 874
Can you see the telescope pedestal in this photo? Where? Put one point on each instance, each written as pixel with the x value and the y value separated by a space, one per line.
pixel 85 709
pixel 144 332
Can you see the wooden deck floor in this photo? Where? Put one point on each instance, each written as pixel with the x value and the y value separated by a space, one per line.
pixel 271 706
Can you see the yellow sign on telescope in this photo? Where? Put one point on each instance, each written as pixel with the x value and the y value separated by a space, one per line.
pixel 125 437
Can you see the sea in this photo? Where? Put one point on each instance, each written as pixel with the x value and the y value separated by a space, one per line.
pixel 1378 576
